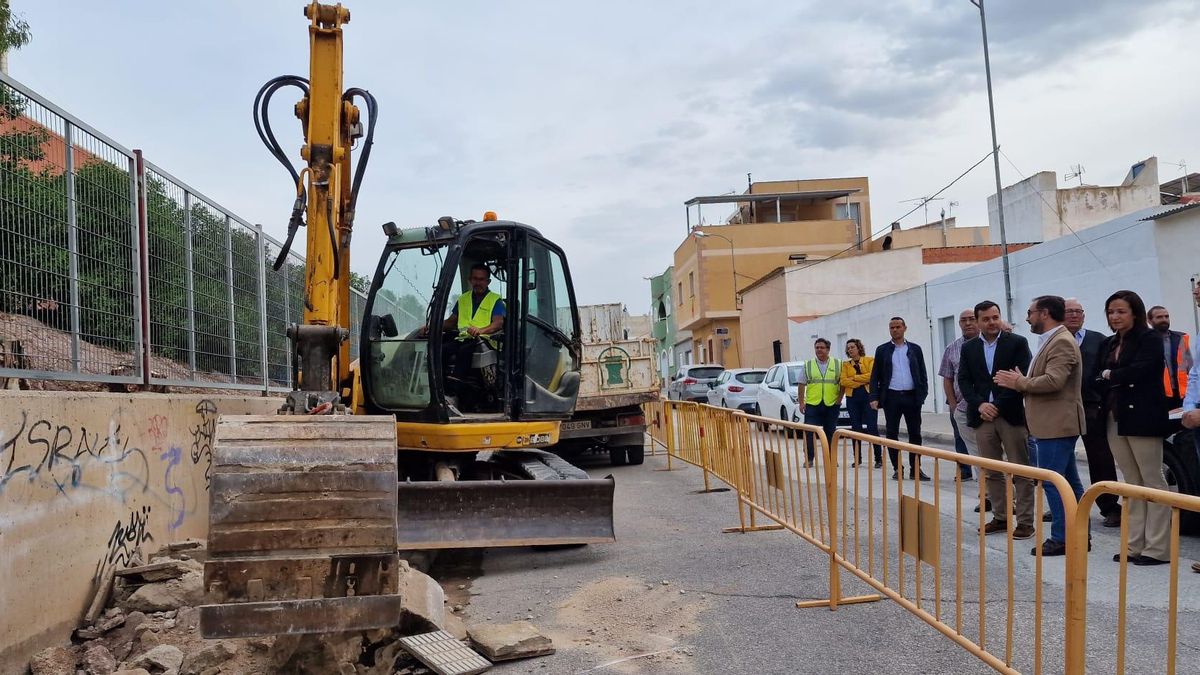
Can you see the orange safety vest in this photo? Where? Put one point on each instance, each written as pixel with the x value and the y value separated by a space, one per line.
pixel 1182 355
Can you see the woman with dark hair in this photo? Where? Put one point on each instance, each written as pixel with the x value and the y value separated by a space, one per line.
pixel 1130 377
pixel 855 378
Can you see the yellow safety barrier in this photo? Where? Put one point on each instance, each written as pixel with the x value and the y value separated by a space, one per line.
pixel 656 425
pixel 888 532
pixel 1077 575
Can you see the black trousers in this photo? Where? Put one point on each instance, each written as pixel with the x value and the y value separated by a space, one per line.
pixel 1100 459
pixel 902 405
pixel 456 361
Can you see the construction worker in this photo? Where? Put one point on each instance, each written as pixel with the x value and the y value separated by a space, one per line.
pixel 820 394
pixel 1177 352
pixel 476 315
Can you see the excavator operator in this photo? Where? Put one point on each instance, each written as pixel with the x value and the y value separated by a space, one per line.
pixel 477 315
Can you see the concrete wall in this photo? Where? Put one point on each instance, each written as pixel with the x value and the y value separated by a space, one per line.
pixel 1152 258
pixel 1028 207
pixel 86 479
pixel 764 320
pixel 823 287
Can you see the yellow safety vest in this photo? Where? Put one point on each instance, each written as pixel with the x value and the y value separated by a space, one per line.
pixel 822 388
pixel 480 318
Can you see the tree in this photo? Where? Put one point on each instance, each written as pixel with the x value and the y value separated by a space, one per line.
pixel 14 32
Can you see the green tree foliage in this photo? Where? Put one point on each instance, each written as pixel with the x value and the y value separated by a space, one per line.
pixel 14 31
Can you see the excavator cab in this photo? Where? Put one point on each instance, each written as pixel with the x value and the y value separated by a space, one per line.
pixel 528 371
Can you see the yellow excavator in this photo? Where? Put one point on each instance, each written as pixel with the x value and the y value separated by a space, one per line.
pixel 469 357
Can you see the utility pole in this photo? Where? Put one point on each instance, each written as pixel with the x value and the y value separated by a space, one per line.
pixel 987 67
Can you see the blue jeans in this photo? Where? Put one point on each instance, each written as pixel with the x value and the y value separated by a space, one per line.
pixel 821 415
pixel 961 447
pixel 1058 455
pixel 864 420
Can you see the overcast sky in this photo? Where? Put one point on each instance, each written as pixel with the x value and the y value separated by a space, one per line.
pixel 595 121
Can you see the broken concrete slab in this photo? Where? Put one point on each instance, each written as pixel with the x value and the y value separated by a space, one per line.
pixel 423 600
pixel 444 655
pixel 98 660
pixel 166 659
pixel 213 653
pixel 507 641
pixel 104 625
pixel 53 661
pixel 162 596
pixel 132 671
pixel 160 571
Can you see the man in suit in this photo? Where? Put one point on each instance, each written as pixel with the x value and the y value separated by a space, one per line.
pixel 997 414
pixel 1095 436
pixel 899 385
pixel 1053 406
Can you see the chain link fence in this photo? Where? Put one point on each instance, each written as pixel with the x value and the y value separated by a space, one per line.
pixel 114 271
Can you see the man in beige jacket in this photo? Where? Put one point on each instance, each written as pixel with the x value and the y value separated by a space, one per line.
pixel 1053 406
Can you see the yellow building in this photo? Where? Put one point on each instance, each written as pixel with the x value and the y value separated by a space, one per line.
pixel 775 222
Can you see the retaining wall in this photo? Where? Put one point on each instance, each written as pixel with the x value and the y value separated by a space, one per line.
pixel 86 479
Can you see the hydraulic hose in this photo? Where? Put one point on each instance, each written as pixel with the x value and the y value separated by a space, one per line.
pixel 262 124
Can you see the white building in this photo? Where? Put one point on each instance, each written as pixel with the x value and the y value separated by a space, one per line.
pixel 1154 252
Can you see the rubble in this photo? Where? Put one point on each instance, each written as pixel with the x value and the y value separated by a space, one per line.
pixel 424 601
pixel 53 661
pixel 212 654
pixel 187 590
pixel 98 660
pixel 165 659
pixel 160 571
pixel 132 671
pixel 504 642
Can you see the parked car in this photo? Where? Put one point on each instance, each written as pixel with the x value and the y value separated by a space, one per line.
pixel 777 394
pixel 737 388
pixel 692 382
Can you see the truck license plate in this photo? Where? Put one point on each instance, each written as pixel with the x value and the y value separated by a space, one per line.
pixel 576 426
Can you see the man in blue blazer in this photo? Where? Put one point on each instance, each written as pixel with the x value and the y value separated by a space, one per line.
pixel 899 385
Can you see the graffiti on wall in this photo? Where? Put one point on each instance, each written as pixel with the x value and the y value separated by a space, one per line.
pixel 127 535
pixel 158 428
pixel 203 434
pixel 69 457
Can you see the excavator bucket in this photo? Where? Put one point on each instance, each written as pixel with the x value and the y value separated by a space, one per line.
pixel 483 514
pixel 302 526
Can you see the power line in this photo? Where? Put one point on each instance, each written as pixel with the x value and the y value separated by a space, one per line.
pixel 1057 212
pixel 871 236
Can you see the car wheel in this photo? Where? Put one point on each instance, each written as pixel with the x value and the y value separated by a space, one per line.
pixel 762 426
pixel 1181 471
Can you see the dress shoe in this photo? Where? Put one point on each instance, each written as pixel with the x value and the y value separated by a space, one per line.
pixel 1196 567
pixel 1147 561
pixel 967 477
pixel 1047 517
pixel 913 476
pixel 1023 532
pixel 1112 520
pixel 1133 558
pixel 1051 548
pixel 995 525
pixel 895 475
pixel 987 505
pixel 879 464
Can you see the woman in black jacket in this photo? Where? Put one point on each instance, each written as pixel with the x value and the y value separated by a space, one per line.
pixel 1130 378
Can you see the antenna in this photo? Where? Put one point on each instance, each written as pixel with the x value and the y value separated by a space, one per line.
pixel 925 203
pixel 952 204
pixel 1076 172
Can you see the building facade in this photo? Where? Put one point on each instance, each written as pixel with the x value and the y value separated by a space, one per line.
pixel 662 313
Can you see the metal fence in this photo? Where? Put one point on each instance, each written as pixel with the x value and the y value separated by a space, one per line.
pixel 112 270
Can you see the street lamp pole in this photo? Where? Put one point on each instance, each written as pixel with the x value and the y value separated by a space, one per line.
pixel 987 67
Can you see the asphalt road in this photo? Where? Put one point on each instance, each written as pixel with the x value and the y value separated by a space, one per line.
pixel 728 606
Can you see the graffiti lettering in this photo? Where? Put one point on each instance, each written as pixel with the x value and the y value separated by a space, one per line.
pixel 178 502
pixel 68 457
pixel 203 435
pixel 125 539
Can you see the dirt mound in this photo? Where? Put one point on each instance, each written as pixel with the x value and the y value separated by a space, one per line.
pixel 30 344
pixel 637 627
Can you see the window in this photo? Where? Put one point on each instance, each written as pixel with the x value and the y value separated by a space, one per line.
pixel 844 211
pixel 680 294
pixel 692 284
pixel 752 377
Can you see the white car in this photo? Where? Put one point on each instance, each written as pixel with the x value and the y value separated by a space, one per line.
pixel 777 393
pixel 737 388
